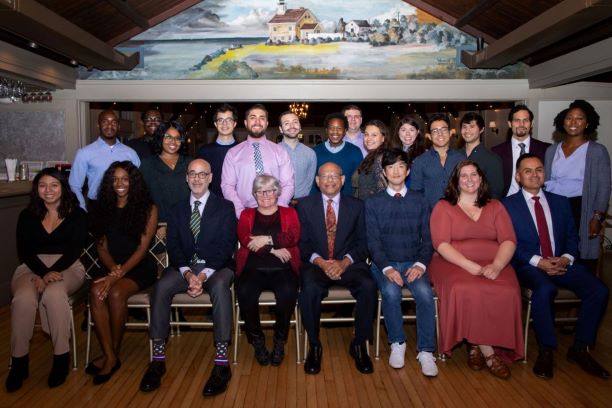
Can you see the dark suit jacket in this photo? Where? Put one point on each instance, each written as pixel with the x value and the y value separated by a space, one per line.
pixel 350 230
pixel 528 241
pixel 217 239
pixel 504 150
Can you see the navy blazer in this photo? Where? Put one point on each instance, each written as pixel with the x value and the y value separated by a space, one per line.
pixel 528 240
pixel 350 229
pixel 217 239
pixel 504 150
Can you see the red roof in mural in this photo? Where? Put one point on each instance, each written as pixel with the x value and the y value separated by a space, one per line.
pixel 290 16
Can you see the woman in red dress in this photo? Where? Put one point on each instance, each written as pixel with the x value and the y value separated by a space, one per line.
pixel 480 299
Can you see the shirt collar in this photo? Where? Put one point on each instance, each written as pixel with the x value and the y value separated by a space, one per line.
pixel 515 143
pixel 335 148
pixel 100 140
pixel 223 143
pixel 392 192
pixel 250 140
pixel 203 200
pixel 335 199
pixel 528 195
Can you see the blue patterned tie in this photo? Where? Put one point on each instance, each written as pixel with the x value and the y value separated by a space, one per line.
pixel 194 225
pixel 259 167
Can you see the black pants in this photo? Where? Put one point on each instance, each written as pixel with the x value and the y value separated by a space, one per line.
pixel 251 282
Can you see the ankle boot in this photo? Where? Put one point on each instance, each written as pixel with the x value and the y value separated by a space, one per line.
pixel 59 370
pixel 19 371
pixel 278 352
pixel 261 353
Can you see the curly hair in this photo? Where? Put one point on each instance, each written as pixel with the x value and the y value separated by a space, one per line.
pixel 68 200
pixel 368 161
pixel 592 117
pixel 420 143
pixel 138 208
pixel 335 115
pixel 158 137
pixel 452 188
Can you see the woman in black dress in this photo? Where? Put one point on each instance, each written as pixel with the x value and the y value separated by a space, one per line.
pixel 123 223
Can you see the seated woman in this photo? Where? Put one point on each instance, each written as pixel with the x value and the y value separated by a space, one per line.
pixel 368 179
pixel 268 259
pixel 50 236
pixel 480 298
pixel 123 224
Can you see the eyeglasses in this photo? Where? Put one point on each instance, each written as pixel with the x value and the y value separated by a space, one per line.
pixel 171 138
pixel 332 176
pixel 155 119
pixel 265 192
pixel 201 175
pixel 224 121
pixel 438 131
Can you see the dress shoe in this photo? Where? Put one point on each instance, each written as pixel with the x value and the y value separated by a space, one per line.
pixel 59 370
pixel 587 362
pixel 92 369
pixel 476 360
pixel 102 378
pixel 278 353
pixel 497 367
pixel 218 380
pixel 151 380
pixel 313 361
pixel 362 360
pixel 261 353
pixel 19 371
pixel 543 366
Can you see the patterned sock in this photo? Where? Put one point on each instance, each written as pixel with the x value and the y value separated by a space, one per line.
pixel 221 354
pixel 159 350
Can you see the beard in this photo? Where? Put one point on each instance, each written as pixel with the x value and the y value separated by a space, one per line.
pixel 257 134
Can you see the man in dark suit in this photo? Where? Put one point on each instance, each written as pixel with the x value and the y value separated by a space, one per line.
pixel 547 245
pixel 201 242
pixel 520 122
pixel 333 247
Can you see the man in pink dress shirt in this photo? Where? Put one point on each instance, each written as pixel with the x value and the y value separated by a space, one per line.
pixel 256 155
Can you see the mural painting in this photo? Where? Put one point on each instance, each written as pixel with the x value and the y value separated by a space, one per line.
pixel 302 39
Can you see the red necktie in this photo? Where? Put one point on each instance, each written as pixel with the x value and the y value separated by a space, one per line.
pixel 330 225
pixel 545 245
pixel 398 195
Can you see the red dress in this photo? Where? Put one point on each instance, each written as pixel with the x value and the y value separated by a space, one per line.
pixel 475 308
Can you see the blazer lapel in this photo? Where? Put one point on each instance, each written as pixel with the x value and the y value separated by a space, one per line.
pixel 320 228
pixel 526 215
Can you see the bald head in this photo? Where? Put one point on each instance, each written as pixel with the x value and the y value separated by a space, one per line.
pixel 199 177
pixel 330 179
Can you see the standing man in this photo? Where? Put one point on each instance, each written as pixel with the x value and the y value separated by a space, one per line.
pixel 303 158
pixel 333 246
pixel 92 160
pixel 546 249
pixel 256 155
pixel 520 122
pixel 143 145
pixel 336 150
pixel 431 170
pixel 354 135
pixel 201 242
pixel 225 120
pixel 397 223
pixel 472 130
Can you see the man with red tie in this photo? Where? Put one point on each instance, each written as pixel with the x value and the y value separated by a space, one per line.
pixel 547 245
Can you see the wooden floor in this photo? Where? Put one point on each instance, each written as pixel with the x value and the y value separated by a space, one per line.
pixel 339 384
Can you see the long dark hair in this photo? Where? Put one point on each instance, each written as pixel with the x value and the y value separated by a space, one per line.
pixel 68 201
pixel 452 188
pixel 420 143
pixel 136 212
pixel 368 161
pixel 158 137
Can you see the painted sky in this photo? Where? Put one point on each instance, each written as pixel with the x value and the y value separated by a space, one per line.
pixel 248 18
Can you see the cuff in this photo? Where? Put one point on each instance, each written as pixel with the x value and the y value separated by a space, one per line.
pixel 535 260
pixel 420 265
pixel 568 256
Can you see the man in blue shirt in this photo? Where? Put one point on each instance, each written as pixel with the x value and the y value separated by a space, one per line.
pixel 94 159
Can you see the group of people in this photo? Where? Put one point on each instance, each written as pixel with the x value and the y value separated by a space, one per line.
pixel 368 211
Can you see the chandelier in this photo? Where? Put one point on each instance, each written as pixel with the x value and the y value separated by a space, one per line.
pixel 11 90
pixel 300 109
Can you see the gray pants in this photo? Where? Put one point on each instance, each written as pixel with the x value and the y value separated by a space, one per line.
pixel 172 282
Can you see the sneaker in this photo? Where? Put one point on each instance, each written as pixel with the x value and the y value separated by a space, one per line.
pixel 428 364
pixel 396 359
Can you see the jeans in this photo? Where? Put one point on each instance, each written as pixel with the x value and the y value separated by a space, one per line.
pixel 392 310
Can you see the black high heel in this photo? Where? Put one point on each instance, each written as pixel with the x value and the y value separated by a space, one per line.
pixel 102 378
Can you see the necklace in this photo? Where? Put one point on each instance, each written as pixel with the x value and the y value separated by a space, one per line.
pixel 170 162
pixel 473 213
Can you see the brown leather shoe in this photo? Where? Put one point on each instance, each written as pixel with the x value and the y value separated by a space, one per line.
pixel 498 368
pixel 476 360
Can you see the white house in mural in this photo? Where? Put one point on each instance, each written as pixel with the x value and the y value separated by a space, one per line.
pixel 356 28
pixel 289 25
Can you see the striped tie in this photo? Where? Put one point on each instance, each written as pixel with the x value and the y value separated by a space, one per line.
pixel 194 225
pixel 259 167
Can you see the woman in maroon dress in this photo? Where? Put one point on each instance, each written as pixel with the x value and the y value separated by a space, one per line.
pixel 479 294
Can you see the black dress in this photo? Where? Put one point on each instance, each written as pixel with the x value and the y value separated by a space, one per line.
pixel 122 245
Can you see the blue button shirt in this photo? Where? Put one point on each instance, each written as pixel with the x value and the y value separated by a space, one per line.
pixel 428 176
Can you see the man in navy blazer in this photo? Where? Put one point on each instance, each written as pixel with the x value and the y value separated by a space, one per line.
pixel 196 264
pixel 543 275
pixel 520 122
pixel 345 267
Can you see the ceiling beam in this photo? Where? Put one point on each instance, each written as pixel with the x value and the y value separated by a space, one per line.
pixel 474 12
pixel 447 18
pixel 575 66
pixel 166 14
pixel 553 25
pixel 124 8
pixel 36 23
